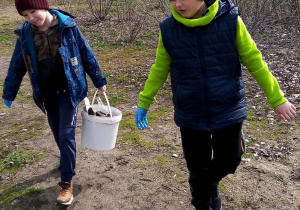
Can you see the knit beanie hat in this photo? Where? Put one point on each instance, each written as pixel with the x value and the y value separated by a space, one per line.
pixel 22 5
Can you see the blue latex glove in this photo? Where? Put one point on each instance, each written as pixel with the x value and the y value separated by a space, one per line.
pixel 141 118
pixel 8 103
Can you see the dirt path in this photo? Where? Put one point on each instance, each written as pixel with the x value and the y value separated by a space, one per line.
pixel 148 176
pixel 130 177
pixel 123 178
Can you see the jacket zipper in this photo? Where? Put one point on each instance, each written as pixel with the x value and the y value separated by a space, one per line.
pixel 51 56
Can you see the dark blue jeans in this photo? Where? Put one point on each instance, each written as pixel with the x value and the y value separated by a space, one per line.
pixel 210 156
pixel 62 118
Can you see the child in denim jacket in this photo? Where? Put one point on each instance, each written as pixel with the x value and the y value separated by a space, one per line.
pixel 56 56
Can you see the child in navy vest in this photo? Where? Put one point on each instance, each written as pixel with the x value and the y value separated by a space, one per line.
pixel 201 45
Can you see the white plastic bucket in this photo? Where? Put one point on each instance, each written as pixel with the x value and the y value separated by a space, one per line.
pixel 99 133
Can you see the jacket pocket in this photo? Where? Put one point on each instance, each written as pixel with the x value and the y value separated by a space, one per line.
pixel 189 101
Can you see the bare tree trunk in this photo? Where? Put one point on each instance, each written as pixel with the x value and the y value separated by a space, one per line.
pixel 100 8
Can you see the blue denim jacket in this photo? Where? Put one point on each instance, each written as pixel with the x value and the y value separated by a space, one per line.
pixel 78 59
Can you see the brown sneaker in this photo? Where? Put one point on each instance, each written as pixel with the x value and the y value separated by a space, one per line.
pixel 65 193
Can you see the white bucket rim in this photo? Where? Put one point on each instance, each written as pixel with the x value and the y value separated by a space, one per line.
pixel 116 115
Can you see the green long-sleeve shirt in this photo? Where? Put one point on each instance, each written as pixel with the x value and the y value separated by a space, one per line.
pixel 249 54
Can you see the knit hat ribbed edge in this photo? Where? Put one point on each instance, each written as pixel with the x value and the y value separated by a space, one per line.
pixel 22 5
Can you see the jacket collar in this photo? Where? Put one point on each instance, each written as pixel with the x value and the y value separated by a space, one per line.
pixel 65 18
pixel 202 21
pixel 216 8
pixel 225 6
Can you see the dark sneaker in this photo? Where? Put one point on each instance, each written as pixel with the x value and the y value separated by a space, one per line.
pixel 202 206
pixel 215 200
pixel 65 193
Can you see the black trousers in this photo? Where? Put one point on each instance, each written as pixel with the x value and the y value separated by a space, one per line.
pixel 210 156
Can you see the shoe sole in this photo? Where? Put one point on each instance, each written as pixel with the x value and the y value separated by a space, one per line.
pixel 66 203
pixel 211 208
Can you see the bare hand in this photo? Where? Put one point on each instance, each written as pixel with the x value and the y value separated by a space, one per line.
pixel 102 89
pixel 286 111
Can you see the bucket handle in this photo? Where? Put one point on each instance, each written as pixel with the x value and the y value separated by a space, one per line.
pixel 109 109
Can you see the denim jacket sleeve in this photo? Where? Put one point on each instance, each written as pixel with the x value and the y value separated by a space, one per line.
pixel 89 60
pixel 15 74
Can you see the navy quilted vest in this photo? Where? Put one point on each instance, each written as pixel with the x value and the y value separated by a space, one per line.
pixel 206 77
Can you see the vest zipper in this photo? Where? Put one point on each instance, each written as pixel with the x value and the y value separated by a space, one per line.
pixel 204 79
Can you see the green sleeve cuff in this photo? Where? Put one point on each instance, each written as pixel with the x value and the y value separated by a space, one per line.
pixel 269 85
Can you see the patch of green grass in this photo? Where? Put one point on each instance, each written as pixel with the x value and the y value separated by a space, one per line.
pixel 222 187
pixel 160 159
pixel 165 94
pixel 165 143
pixel 251 115
pixel 5 37
pixel 113 10
pixel 114 59
pixel 33 128
pixel 247 155
pixel 6 34
pixel 124 77
pixel 140 193
pixel 6 49
pixel 132 137
pixel 181 175
pixel 16 160
pixel 97 36
pixel 118 98
pixel 260 129
pixel 6 24
pixel 161 112
pixel 286 160
pixel 107 74
pixel 24 96
pixel 149 144
pixel 140 45
pixel 112 45
pixel 98 44
pixel 127 123
pixel 246 204
pixel 258 100
pixel 87 24
pixel 112 33
pixel 28 135
pixel 19 198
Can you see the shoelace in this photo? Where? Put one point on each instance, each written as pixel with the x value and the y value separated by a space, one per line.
pixel 63 191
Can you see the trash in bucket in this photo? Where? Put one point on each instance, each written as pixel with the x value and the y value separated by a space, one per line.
pixel 99 132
